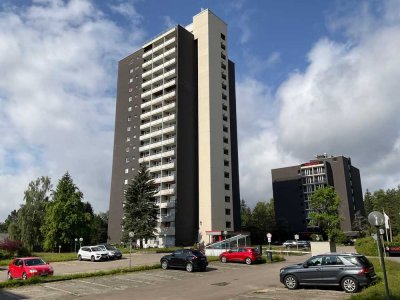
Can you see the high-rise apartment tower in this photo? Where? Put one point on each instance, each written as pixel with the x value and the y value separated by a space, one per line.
pixel 293 187
pixel 176 113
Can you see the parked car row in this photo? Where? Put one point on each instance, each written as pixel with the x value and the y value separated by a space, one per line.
pixel 99 252
pixel 296 244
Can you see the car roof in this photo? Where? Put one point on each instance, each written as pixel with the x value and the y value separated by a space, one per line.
pixel 29 257
pixel 340 253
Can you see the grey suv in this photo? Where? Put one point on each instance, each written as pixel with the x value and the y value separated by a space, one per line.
pixel 348 270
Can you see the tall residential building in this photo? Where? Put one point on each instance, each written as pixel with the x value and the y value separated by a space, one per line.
pixel 176 113
pixel 293 187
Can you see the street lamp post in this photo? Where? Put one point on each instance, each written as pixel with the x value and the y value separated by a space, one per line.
pixel 80 242
pixel 165 240
pixel 131 235
pixel 76 241
pixel 59 249
pixel 376 219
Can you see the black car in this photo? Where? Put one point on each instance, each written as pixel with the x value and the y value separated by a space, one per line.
pixel 188 259
pixel 348 270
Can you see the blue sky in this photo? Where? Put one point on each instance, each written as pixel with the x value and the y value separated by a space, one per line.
pixel 311 77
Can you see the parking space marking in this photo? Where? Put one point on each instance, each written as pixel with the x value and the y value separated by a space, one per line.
pixel 161 276
pixel 138 281
pixel 60 290
pixel 94 283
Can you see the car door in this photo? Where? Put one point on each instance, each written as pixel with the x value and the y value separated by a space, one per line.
pixel 310 272
pixel 17 268
pixel 331 267
pixel 176 258
pixel 86 253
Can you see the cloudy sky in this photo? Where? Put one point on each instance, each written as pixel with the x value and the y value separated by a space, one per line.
pixel 312 77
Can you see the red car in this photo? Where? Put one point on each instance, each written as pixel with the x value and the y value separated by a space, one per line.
pixel 27 267
pixel 245 254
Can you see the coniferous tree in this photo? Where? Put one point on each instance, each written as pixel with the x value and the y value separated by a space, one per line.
pixel 140 210
pixel 67 217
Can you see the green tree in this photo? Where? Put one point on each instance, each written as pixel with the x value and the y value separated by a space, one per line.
pixel 324 205
pixel 32 213
pixel 360 224
pixel 245 215
pixel 67 217
pixel 140 210
pixel 368 203
pixel 13 229
pixel 100 228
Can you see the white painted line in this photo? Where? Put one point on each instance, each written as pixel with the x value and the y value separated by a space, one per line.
pixel 161 276
pixel 60 290
pixel 99 284
pixel 140 281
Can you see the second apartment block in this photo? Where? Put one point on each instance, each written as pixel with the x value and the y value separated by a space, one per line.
pixel 176 113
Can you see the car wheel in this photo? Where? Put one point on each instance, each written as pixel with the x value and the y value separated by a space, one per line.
pixel 189 267
pixel 223 259
pixel 79 257
pixel 9 277
pixel 164 264
pixel 291 282
pixel 24 277
pixel 248 261
pixel 92 258
pixel 350 285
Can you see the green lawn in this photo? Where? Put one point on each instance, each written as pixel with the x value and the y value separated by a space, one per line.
pixel 377 291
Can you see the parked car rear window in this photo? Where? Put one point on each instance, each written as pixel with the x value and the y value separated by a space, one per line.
pixel 358 260
pixel 197 253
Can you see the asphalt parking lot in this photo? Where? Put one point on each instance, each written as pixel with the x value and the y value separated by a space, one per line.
pixel 221 281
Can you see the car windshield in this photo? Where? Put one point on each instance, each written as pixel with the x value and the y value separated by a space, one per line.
pixel 108 247
pixel 96 249
pixel 34 262
pixel 197 253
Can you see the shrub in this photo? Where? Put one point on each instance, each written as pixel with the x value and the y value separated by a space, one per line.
pixel 366 246
pixel 10 246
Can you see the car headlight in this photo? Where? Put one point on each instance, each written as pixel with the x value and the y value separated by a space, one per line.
pixel 33 271
pixel 282 270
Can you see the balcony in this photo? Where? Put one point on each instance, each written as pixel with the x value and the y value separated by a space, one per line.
pixel 166 217
pixel 165 192
pixel 159 67
pixel 158 57
pixel 158 144
pixel 157 111
pixel 157 133
pixel 167 231
pixel 157 156
pixel 164 179
pixel 169 166
pixel 158 99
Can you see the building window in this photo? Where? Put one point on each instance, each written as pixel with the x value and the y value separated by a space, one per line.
pixel 126 181
pixel 226 163
pixel 226 174
pixel 130 80
pixel 227 199
pixel 223 76
pixel 127 149
pixel 126 171
pixel 223 56
pixel 223 36
pixel 131 71
pixel 130 108
pixel 129 118
pixel 224 97
pixel 128 139
pixel 225 129
pixel 224 107
pixel 130 99
pixel 226 140
pixel 127 159
pixel 227 187
pixel 228 224
pixel 224 86
pixel 128 129
pixel 227 211
pixel 130 90
pixel 223 47
pixel 226 151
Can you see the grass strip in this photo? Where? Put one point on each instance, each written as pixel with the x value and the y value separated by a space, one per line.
pixel 377 291
pixel 37 280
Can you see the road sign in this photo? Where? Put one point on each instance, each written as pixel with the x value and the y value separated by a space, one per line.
pixel 296 236
pixel 269 235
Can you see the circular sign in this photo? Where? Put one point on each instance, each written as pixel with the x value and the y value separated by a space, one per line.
pixel 269 235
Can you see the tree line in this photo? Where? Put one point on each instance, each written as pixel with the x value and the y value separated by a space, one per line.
pixel 51 218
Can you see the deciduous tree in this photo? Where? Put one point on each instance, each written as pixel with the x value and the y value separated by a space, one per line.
pixel 324 205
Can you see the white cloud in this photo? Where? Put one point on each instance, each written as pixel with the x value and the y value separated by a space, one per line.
pixel 57 98
pixel 169 22
pixel 346 102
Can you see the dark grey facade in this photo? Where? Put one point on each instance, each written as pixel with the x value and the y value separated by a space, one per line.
pixel 292 187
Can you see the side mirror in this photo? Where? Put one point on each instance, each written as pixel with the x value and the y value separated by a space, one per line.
pixel 305 265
